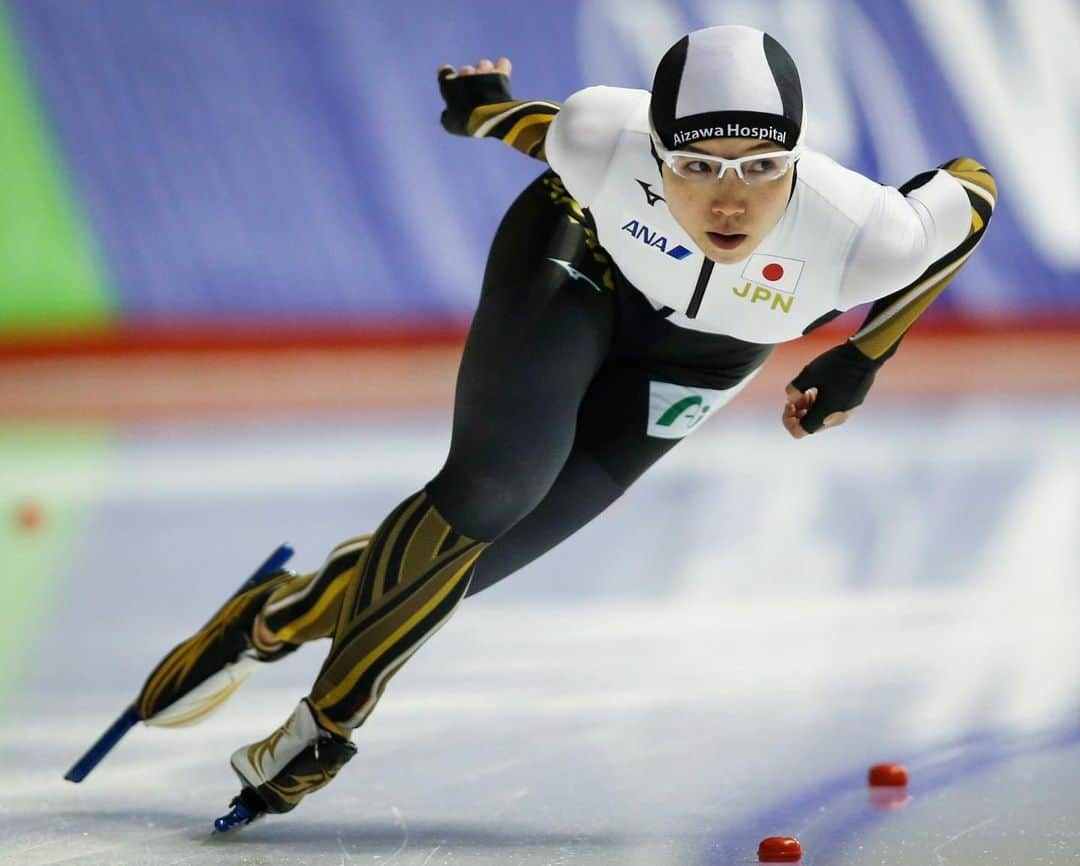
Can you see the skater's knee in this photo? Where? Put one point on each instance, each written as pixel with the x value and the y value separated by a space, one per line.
pixel 483 504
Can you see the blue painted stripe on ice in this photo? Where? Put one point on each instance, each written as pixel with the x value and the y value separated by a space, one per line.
pixel 978 752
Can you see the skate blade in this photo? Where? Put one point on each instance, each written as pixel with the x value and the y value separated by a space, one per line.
pixel 104 744
pixel 240 815
pixel 131 716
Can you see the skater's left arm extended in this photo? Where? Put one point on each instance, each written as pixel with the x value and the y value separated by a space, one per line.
pixel 918 237
pixel 479 105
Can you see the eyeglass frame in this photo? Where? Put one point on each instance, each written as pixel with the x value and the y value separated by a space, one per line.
pixel 667 157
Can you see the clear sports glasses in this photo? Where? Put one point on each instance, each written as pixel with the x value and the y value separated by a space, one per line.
pixel 755 169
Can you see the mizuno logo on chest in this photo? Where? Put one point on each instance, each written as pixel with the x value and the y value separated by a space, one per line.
pixel 654 239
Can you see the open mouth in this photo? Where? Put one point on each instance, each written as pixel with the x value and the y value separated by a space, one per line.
pixel 725 242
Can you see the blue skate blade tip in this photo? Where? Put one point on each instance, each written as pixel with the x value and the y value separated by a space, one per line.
pixel 237 816
pixel 81 769
pixel 274 562
pixel 277 559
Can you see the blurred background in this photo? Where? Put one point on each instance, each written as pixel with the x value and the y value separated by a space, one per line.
pixel 247 213
pixel 238 255
pixel 212 173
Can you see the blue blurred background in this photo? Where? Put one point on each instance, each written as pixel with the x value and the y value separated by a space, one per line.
pixel 234 232
pixel 281 161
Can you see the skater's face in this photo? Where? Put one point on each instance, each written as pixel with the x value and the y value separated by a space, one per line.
pixel 728 218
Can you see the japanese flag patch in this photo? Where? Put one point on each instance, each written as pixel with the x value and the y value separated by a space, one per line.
pixel 774 272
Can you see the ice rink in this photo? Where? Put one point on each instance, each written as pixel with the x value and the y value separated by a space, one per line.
pixel 719 658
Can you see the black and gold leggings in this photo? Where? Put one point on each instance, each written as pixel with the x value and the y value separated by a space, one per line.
pixel 550 420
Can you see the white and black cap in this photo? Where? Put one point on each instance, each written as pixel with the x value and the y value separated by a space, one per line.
pixel 727 82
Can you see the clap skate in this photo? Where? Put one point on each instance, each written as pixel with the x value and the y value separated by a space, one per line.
pixel 201 673
pixel 277 773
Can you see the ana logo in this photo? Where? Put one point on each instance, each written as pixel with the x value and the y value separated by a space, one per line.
pixel 651 197
pixel 654 239
pixel 771 280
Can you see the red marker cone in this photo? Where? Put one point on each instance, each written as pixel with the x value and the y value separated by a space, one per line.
pixel 29 516
pixel 779 849
pixel 888 776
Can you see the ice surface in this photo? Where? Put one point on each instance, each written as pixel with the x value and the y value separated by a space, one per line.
pixel 719 658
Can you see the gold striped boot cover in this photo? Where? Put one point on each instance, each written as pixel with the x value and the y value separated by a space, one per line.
pixel 307 608
pixel 414 572
pixel 404 585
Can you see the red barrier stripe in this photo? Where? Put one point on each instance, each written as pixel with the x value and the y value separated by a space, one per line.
pixel 184 337
pixel 205 336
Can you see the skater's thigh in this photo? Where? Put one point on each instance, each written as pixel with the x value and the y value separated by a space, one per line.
pixel 541 331
pixel 637 407
pixel 545 319
pixel 613 447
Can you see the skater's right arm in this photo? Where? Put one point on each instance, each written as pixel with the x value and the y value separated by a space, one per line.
pixel 576 138
pixel 479 104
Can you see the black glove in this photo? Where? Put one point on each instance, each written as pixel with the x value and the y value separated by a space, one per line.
pixel 842 376
pixel 464 93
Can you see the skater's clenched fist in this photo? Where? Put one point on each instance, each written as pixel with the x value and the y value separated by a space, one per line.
pixel 798 405
pixel 469 87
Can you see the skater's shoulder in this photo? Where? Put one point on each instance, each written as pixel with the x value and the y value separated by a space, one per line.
pixel 585 134
pixel 846 192
pixel 598 113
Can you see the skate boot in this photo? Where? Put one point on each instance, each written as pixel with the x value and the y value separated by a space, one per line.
pixel 277 773
pixel 201 673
